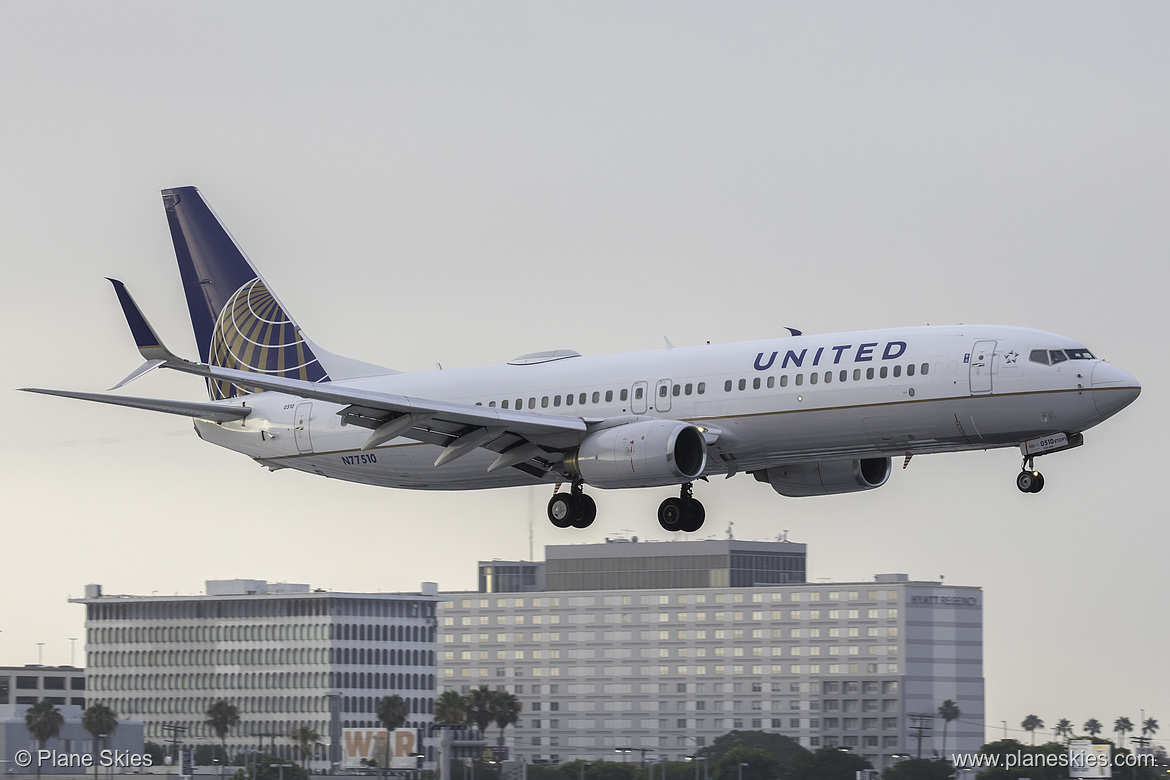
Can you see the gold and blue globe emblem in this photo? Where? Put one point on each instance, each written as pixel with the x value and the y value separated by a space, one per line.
pixel 254 334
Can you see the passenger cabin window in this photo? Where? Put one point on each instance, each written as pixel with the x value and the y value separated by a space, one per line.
pixel 569 399
pixel 743 384
pixel 624 395
pixel 581 398
pixel 492 404
pixel 676 390
pixel 756 383
pixel 637 394
pixel 608 396
pixel 596 397
pixel 662 391
pixel 504 404
pixel 727 386
pixel 910 370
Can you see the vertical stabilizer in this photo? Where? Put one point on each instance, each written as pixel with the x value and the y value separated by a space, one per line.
pixel 238 321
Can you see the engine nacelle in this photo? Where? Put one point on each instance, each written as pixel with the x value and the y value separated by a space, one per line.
pixel 648 453
pixel 826 477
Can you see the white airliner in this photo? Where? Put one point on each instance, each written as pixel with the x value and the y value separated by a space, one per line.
pixel 809 415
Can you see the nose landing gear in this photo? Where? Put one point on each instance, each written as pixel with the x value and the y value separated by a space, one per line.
pixel 684 513
pixel 572 509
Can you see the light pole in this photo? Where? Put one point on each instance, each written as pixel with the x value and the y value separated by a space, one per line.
pixel 696 760
pixel 40 653
pixel 72 647
pixel 739 770
pixel 584 765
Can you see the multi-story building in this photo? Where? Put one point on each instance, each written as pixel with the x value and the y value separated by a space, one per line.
pixel 669 668
pixel 64 687
pixel 29 684
pixel 284 655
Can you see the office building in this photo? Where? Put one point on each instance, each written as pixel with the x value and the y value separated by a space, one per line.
pixel 669 668
pixel 64 687
pixel 284 655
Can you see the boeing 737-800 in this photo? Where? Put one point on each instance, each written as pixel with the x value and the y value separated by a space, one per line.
pixel 807 414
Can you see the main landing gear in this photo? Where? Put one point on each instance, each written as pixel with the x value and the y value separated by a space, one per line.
pixel 572 509
pixel 1029 480
pixel 684 513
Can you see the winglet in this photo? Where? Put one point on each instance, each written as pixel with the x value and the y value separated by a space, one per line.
pixel 150 346
pixel 148 342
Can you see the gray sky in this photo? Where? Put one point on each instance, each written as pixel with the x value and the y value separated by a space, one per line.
pixel 468 182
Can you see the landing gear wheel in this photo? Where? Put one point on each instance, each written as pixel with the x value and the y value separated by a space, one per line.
pixel 695 517
pixel 586 512
pixel 1030 481
pixel 562 509
pixel 672 514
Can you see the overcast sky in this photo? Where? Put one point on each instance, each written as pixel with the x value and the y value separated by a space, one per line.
pixel 468 182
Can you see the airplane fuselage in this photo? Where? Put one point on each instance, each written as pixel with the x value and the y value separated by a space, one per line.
pixel 880 393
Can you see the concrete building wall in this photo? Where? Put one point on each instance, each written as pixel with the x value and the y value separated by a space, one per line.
pixel 669 670
pixel 283 658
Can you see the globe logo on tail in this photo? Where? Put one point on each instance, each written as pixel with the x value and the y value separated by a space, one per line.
pixel 253 333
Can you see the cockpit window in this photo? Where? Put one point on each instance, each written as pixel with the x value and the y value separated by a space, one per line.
pixel 1050 357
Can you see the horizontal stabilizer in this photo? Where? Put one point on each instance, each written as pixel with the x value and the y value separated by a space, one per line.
pixel 213 412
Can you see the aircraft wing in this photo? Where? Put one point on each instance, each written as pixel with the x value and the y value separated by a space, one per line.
pixel 213 412
pixel 459 428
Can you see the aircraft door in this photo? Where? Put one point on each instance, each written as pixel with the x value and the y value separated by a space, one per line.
pixel 982 362
pixel 662 396
pixel 638 398
pixel 301 416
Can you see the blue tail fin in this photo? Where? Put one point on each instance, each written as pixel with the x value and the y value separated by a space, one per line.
pixel 238 321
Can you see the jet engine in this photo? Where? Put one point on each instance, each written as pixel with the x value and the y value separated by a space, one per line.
pixel 826 477
pixel 648 453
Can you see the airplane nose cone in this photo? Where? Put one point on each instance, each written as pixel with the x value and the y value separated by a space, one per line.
pixel 1113 389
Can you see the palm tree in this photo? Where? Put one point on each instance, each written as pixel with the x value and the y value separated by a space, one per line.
pixel 222 716
pixel 479 707
pixel 948 711
pixel 1093 727
pixel 306 738
pixel 1149 726
pixel 1030 724
pixel 99 720
pixel 1122 726
pixel 43 721
pixel 392 711
pixel 450 709
pixel 505 711
pixel 1063 728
